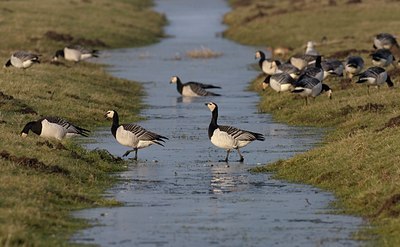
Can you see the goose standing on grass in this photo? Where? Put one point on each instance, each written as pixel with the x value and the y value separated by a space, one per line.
pixel 268 66
pixel 132 135
pixel 228 137
pixel 385 41
pixel 53 127
pixel 192 89
pixel 301 61
pixel 22 60
pixel 288 68
pixel 310 49
pixel 332 67
pixel 382 58
pixel 353 65
pixel 375 76
pixel 311 87
pixel 280 82
pixel 75 54
pixel 313 70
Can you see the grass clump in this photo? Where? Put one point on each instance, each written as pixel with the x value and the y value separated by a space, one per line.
pixel 358 159
pixel 41 180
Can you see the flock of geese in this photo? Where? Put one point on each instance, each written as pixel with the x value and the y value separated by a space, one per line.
pixel 302 75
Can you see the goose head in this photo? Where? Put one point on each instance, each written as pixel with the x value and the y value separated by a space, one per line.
pixel 212 106
pixel 174 80
pixel 26 129
pixel 109 114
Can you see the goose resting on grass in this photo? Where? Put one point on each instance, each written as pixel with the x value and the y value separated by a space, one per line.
pixel 353 65
pixel 22 60
pixel 75 54
pixel 132 135
pixel 385 41
pixel 375 76
pixel 228 137
pixel 193 89
pixel 53 127
pixel 383 58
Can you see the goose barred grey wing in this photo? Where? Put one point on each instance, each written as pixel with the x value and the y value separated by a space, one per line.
pixel 196 88
pixel 372 72
pixel 71 128
pixel 241 135
pixel 283 78
pixel 143 134
pixel 25 56
pixel 205 86
pixel 307 82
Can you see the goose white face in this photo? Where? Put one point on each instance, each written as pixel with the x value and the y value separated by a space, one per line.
pixel 174 80
pixel 110 114
pixel 258 54
pixel 211 106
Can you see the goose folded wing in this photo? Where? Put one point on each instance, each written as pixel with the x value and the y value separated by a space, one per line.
pixel 71 128
pixel 25 56
pixel 143 134
pixel 198 89
pixel 238 134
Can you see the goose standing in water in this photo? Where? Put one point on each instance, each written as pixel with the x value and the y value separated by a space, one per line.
pixel 375 76
pixel 385 41
pixel 228 137
pixel 75 54
pixel 22 60
pixel 353 65
pixel 132 135
pixel 53 127
pixel 192 89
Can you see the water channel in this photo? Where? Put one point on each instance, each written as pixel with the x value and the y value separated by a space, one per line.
pixel 180 195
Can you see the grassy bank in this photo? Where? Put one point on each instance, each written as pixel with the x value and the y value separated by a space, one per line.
pixel 358 160
pixel 42 181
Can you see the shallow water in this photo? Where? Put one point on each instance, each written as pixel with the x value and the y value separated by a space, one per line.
pixel 180 195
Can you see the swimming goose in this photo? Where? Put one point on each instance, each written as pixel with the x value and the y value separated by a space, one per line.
pixel 313 70
pixel 382 58
pixel 132 135
pixel 375 76
pixel 354 65
pixel 280 82
pixel 53 127
pixel 268 66
pixel 192 89
pixel 22 60
pixel 332 67
pixel 75 54
pixel 311 87
pixel 385 41
pixel 228 137
pixel 310 50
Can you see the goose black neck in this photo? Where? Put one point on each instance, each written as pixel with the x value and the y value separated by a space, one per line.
pixel 213 124
pixel 179 85
pixel 262 59
pixel 318 62
pixel 115 124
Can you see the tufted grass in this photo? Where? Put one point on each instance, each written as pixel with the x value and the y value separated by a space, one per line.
pixel 42 181
pixel 358 160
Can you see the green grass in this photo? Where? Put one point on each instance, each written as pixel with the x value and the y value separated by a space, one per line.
pixel 42 181
pixel 358 160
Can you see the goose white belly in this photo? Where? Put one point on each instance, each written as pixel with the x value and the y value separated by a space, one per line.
pixel 280 87
pixel 187 91
pixel 221 139
pixel 144 144
pixel 52 130
pixel 269 68
pixel 72 55
pixel 305 93
pixel 126 138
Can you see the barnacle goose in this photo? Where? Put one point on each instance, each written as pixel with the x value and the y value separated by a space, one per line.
pixel 382 58
pixel 53 127
pixel 332 67
pixel 228 137
pixel 75 53
pixel 288 68
pixel 375 76
pixel 310 49
pixel 22 60
pixel 132 135
pixel 313 70
pixel 353 65
pixel 192 89
pixel 280 82
pixel 301 61
pixel 311 87
pixel 385 41
pixel 268 66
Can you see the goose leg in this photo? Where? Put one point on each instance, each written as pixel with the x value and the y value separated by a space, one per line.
pixel 241 156
pixel 135 158
pixel 127 153
pixel 227 155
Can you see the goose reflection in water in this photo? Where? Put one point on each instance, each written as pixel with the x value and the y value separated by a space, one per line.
pixel 226 179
